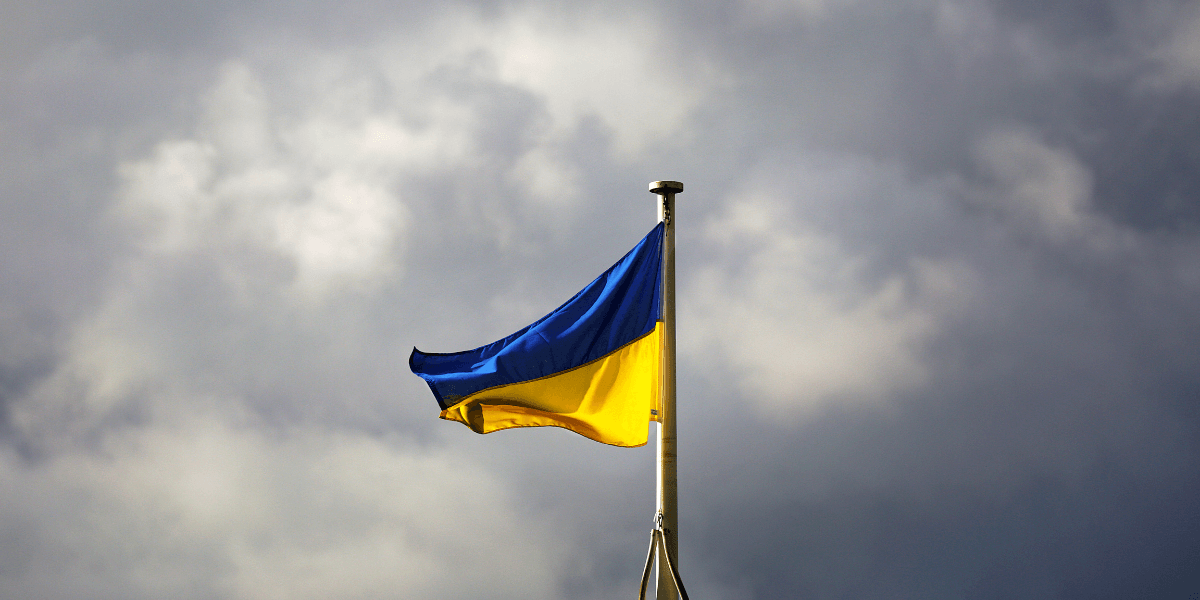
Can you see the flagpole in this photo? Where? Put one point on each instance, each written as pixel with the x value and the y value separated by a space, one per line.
pixel 667 497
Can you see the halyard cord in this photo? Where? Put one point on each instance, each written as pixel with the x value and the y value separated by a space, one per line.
pixel 658 538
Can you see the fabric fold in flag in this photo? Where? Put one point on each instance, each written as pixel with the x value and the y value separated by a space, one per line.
pixel 592 366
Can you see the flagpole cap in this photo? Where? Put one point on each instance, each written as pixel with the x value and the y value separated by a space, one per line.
pixel 666 187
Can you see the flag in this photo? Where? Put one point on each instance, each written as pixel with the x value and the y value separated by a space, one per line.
pixel 593 365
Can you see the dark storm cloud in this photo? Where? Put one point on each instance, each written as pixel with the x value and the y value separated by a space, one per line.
pixel 1051 395
pixel 920 82
pixel 1046 403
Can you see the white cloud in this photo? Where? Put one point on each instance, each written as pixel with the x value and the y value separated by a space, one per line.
pixel 238 117
pixel 295 188
pixel 766 12
pixel 245 179
pixel 350 131
pixel 617 70
pixel 546 177
pixel 1044 191
pixel 1045 186
pixel 342 234
pixel 202 508
pixel 261 233
pixel 796 318
pixel 167 197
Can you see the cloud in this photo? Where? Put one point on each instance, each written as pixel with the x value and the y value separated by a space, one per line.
pixel 244 181
pixel 615 70
pixel 937 269
pixel 1179 53
pixel 1044 190
pixel 790 312
pixel 203 507
pixel 1028 398
pixel 209 420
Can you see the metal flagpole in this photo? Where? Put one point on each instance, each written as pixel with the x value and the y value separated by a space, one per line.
pixel 668 503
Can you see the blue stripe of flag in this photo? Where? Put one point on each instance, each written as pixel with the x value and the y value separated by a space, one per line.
pixel 620 306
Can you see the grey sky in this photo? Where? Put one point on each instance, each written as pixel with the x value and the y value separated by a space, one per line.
pixel 938 262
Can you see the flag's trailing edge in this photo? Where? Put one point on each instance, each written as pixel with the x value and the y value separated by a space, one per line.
pixel 593 365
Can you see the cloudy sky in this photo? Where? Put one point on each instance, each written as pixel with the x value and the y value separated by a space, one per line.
pixel 939 263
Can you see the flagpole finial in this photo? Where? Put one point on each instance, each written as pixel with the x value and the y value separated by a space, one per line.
pixel 666 187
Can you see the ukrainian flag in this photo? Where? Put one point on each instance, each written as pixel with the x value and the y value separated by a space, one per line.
pixel 592 366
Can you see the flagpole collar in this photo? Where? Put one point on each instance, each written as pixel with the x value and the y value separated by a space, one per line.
pixel 666 187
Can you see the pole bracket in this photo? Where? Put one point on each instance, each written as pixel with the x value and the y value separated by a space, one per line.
pixel 658 541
